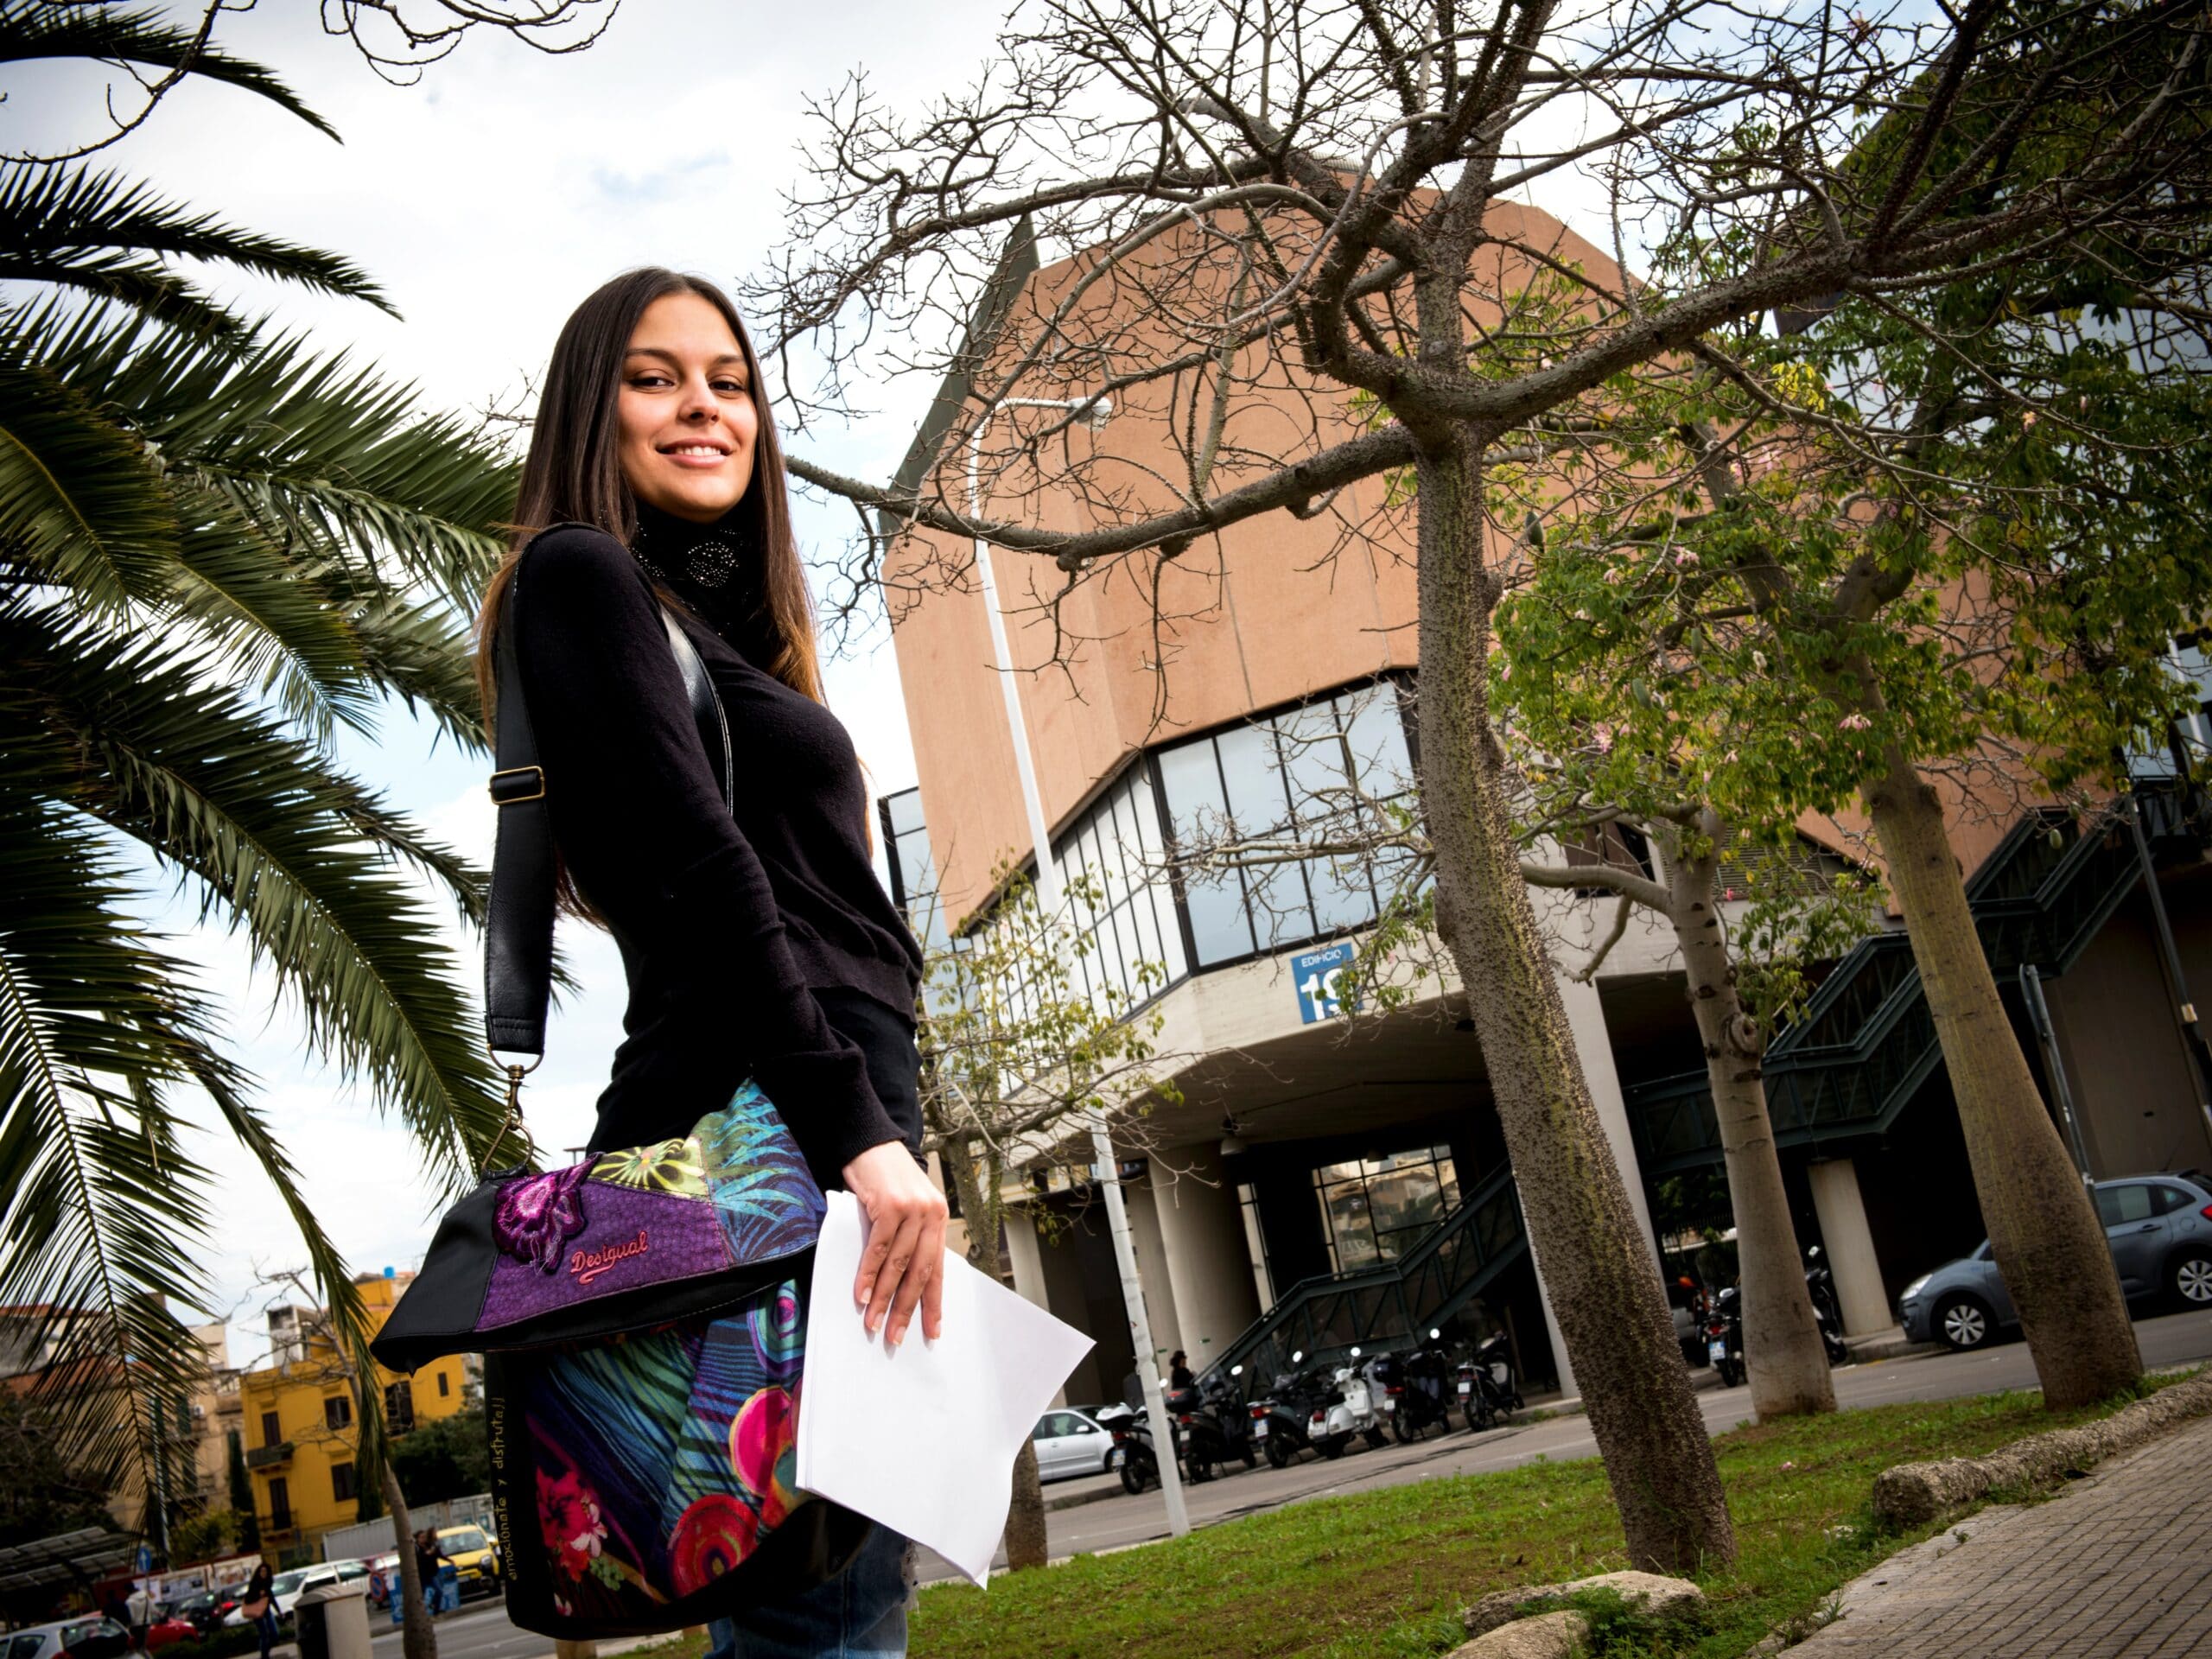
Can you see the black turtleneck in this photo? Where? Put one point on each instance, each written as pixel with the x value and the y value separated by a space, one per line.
pixel 728 921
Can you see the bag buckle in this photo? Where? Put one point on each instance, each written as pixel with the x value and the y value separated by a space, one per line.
pixel 512 1124
pixel 517 784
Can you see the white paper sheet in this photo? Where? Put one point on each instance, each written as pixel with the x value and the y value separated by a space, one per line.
pixel 922 1438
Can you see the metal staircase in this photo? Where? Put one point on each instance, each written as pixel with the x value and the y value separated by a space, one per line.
pixel 1387 1304
pixel 1866 1040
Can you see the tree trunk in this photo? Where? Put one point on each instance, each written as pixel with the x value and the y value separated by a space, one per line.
pixel 1782 1349
pixel 1604 1285
pixel 2044 1230
pixel 1027 1544
pixel 417 1639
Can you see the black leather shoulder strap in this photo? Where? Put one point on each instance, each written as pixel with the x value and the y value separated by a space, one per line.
pixel 518 929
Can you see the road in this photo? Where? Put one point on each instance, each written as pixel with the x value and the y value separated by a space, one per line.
pixel 482 1631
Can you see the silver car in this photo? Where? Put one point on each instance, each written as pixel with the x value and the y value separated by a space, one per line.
pixel 2160 1228
pixel 1070 1443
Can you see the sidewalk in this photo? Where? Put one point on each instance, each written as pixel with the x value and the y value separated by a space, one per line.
pixel 2116 1564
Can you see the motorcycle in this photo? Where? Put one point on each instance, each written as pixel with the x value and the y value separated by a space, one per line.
pixel 1212 1427
pixel 1410 1388
pixel 1133 1455
pixel 1226 1397
pixel 1828 1313
pixel 1488 1392
pixel 1724 1336
pixel 1281 1417
pixel 1347 1409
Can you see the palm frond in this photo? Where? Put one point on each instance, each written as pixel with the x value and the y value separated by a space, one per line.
pixel 111 237
pixel 80 505
pixel 281 845
pixel 35 29
pixel 103 1210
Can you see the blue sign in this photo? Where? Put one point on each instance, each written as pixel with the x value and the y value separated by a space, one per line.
pixel 1316 973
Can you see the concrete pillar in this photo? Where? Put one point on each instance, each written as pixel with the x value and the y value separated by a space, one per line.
pixel 1024 1249
pixel 1153 1271
pixel 1209 1267
pixel 1849 1243
pixel 1593 1046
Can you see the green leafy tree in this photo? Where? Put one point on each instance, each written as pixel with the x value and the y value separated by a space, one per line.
pixel 216 549
pixel 439 1461
pixel 1907 544
pixel 1018 1061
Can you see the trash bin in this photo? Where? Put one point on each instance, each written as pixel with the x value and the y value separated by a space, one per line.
pixel 332 1621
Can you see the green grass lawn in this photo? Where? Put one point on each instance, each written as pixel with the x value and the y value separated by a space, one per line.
pixel 1382 1575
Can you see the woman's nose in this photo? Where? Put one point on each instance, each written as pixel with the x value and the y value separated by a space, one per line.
pixel 699 403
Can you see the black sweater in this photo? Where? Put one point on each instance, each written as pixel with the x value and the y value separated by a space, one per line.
pixel 727 920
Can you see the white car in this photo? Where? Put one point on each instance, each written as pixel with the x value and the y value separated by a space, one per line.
pixel 286 1588
pixel 83 1637
pixel 1069 1443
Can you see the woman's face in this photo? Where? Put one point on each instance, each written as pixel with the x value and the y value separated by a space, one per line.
pixel 686 415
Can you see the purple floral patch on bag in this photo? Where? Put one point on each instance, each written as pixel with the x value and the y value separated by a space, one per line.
pixel 536 1217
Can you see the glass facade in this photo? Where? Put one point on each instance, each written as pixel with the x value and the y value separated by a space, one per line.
pixel 1112 863
pixel 1134 862
pixel 1323 771
pixel 1373 1209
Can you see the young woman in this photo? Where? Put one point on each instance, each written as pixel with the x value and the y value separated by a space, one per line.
pixel 258 1603
pixel 756 939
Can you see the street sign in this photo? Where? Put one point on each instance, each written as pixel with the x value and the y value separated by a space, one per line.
pixel 1315 973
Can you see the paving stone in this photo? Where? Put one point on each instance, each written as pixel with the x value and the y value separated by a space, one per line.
pixel 2118 1566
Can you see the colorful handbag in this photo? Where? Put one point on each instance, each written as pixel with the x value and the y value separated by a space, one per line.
pixel 642 1313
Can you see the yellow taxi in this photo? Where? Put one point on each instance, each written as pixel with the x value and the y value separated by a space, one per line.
pixel 474 1556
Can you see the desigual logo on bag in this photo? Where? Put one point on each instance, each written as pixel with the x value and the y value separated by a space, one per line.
pixel 584 1266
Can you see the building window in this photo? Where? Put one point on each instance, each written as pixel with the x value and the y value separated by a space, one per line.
pixel 1256 1247
pixel 270 1433
pixel 1373 1210
pixel 399 1407
pixel 280 1505
pixel 1115 852
pixel 445 1385
pixel 338 1412
pixel 341 1482
pixel 1323 771
pixel 913 874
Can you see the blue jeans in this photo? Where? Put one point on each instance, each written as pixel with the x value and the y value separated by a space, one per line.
pixel 860 1614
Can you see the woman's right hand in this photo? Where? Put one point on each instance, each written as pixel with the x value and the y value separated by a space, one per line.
pixel 903 1266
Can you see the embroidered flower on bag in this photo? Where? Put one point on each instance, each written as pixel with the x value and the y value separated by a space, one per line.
pixel 537 1216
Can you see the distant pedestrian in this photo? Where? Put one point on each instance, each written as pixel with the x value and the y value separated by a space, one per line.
pixel 1178 1372
pixel 257 1606
pixel 429 1556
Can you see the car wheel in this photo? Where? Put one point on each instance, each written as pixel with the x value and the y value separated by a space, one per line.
pixel 2189 1278
pixel 1963 1323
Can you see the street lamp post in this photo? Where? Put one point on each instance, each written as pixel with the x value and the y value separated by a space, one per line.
pixel 1097 410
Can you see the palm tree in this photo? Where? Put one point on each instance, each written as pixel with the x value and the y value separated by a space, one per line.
pixel 217 548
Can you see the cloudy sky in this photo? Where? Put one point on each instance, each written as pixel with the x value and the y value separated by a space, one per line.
pixel 488 199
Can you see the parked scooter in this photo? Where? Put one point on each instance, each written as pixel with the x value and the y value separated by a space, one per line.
pixel 1212 1427
pixel 1724 1335
pixel 1280 1419
pixel 1348 1409
pixel 1225 1394
pixel 1828 1313
pixel 1410 1388
pixel 1133 1454
pixel 1488 1392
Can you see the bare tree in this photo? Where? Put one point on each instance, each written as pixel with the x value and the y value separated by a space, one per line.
pixel 1020 1059
pixel 152 54
pixel 1263 205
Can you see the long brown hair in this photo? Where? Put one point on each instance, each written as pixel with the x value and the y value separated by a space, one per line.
pixel 573 474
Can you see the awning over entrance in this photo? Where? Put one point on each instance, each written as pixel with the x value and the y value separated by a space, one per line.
pixel 80 1558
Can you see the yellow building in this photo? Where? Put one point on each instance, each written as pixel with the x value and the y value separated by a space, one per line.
pixel 298 1415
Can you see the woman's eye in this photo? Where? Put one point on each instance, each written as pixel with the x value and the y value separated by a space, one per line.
pixel 730 388
pixel 649 382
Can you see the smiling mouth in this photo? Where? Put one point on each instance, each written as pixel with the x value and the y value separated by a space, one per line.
pixel 702 450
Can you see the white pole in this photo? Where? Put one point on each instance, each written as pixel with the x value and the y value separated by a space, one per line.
pixel 1049 899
